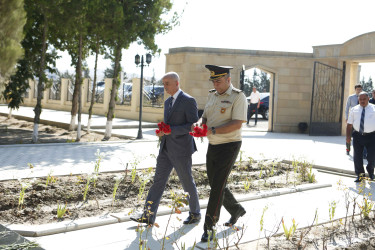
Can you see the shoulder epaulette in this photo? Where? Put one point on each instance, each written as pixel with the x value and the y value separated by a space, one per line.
pixel 212 90
pixel 237 90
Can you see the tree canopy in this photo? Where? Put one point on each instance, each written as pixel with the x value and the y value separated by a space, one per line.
pixel 12 20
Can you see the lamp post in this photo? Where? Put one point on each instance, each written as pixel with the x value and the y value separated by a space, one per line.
pixel 137 61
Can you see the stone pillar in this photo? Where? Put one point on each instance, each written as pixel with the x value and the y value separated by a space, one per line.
pixel 64 91
pixel 135 95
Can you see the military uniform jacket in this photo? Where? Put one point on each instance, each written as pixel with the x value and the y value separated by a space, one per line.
pixel 220 109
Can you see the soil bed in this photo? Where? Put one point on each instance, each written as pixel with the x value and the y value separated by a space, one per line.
pixel 14 131
pixel 41 199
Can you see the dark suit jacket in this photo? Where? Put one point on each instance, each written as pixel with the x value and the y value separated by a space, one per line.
pixel 182 115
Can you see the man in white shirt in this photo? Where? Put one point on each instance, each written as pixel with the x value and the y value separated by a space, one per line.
pixel 254 105
pixel 361 121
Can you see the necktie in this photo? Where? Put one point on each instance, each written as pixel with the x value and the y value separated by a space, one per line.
pixel 170 105
pixel 361 127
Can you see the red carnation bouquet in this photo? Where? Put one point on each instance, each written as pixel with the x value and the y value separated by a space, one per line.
pixel 199 131
pixel 165 128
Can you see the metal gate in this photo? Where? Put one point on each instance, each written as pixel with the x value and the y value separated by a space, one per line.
pixel 327 100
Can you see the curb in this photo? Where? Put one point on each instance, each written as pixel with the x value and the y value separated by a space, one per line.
pixel 49 229
pixel 329 169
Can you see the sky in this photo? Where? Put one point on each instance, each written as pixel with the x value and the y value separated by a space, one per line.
pixel 273 25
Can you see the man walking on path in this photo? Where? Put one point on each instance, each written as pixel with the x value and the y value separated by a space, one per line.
pixel 352 100
pixel 254 105
pixel 362 120
pixel 176 148
pixel 223 114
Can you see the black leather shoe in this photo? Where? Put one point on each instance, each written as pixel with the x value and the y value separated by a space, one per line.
pixel 233 219
pixel 142 219
pixel 359 178
pixel 371 176
pixel 370 173
pixel 192 218
pixel 207 235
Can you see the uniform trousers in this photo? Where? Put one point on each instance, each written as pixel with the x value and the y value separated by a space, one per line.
pixel 359 142
pixel 166 161
pixel 219 162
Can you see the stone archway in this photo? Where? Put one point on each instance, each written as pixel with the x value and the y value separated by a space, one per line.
pixel 292 74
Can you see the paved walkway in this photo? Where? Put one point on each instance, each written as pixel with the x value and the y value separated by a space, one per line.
pixel 327 152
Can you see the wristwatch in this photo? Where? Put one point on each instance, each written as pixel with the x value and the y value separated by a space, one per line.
pixel 213 130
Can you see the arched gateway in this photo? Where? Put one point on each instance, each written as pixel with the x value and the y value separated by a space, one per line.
pixel 305 87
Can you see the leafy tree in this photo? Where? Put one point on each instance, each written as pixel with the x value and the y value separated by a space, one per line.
pixel 42 18
pixel 12 21
pixel 261 82
pixel 73 36
pixel 98 30
pixel 367 86
pixel 134 20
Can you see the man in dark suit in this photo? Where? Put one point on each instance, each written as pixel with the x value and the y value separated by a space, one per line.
pixel 176 148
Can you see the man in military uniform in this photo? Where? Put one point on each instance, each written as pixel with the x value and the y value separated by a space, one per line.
pixel 223 114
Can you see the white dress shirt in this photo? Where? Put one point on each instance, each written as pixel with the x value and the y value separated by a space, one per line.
pixel 254 97
pixel 175 96
pixel 355 118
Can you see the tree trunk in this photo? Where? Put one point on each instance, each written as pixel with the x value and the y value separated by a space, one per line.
pixel 10 113
pixel 38 107
pixel 112 102
pixel 79 76
pixel 93 86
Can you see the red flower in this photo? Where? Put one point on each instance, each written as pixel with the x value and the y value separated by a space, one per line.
pixel 163 128
pixel 199 132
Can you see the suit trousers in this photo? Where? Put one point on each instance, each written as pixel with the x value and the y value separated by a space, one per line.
pixel 164 165
pixel 219 162
pixel 254 106
pixel 359 142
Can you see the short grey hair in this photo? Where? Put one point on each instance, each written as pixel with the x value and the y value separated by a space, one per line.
pixel 363 93
pixel 172 75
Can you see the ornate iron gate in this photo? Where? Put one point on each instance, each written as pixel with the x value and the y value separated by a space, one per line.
pixel 327 100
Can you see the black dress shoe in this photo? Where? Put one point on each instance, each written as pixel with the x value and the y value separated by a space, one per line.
pixel 142 219
pixel 359 178
pixel 192 218
pixel 371 176
pixel 207 235
pixel 233 219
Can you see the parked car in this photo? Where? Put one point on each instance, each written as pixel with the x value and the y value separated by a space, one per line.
pixel 263 107
pixel 154 92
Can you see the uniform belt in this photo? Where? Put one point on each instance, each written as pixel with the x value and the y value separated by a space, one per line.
pixel 365 133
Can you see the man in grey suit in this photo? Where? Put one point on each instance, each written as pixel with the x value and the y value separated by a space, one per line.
pixel 176 148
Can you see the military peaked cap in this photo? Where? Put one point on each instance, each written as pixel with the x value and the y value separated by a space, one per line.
pixel 218 71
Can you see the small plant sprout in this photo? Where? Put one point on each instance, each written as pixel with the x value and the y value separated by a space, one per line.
pixel 250 160
pixel 118 179
pixel 144 178
pixel 99 158
pixel 50 178
pixel 247 184
pixel 289 232
pixel 332 209
pixel 24 186
pixel 366 207
pixel 90 177
pixel 311 176
pixel 61 211
pixel 262 220
pixel 179 200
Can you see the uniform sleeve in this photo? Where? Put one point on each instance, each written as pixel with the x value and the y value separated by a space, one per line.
pixel 240 108
pixel 351 117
